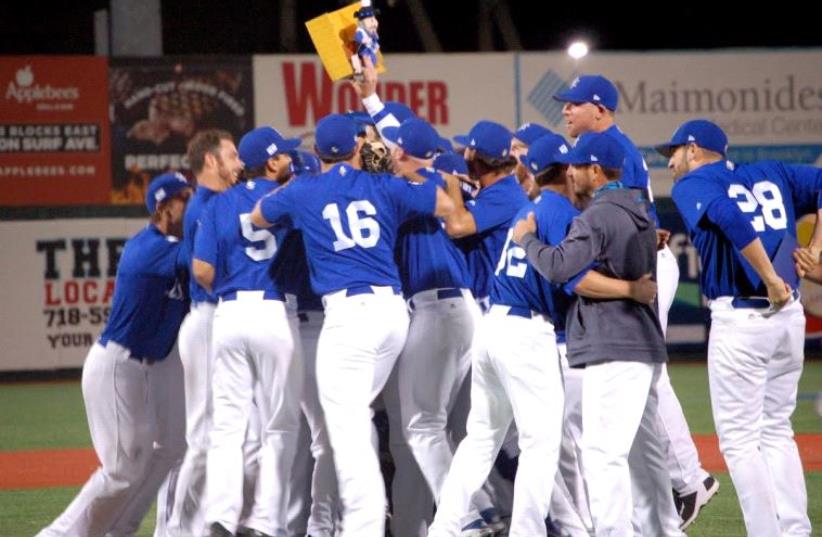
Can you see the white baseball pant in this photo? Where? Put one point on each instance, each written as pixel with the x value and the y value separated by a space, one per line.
pixel 412 502
pixel 136 432
pixel 256 361
pixel 755 359
pixel 161 475
pixel 620 446
pixel 569 502
pixel 313 500
pixel 684 467
pixel 431 370
pixel 195 341
pixel 362 336
pixel 515 376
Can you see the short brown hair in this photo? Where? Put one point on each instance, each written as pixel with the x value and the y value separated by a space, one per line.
pixel 554 173
pixel 204 142
pixel 481 165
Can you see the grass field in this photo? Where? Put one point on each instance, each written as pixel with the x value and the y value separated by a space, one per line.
pixel 51 416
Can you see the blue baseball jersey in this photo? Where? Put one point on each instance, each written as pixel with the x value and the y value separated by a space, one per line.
pixel 150 298
pixel 290 267
pixel 772 194
pixel 349 219
pixel 634 169
pixel 493 210
pixel 194 209
pixel 240 252
pixel 516 283
pixel 426 256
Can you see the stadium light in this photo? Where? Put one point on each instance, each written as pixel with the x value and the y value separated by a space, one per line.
pixel 578 50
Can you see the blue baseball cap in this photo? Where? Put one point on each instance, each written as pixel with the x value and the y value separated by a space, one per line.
pixel 399 110
pixel 445 145
pixel 304 162
pixel 362 119
pixel 594 89
pixel 260 144
pixel 544 152
pixel 336 136
pixel 415 136
pixel 489 139
pixel 596 148
pixel 163 187
pixel 451 163
pixel 528 133
pixel 365 12
pixel 701 132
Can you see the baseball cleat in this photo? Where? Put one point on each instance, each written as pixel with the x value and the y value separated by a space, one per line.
pixel 477 528
pixel 689 505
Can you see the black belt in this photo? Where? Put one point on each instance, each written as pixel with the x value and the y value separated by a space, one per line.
pixel 756 302
pixel 527 313
pixel 365 290
pixel 451 292
pixel 103 341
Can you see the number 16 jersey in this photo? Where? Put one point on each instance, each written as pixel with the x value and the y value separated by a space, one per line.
pixel 349 220
pixel 771 195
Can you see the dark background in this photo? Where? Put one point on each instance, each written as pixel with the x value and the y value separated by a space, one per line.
pixel 251 26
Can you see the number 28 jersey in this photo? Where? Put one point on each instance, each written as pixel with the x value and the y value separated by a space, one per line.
pixel 771 195
pixel 349 219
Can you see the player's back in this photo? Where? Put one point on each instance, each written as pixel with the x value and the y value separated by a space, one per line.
pixel 427 258
pixel 493 210
pixel 349 220
pixel 149 300
pixel 516 283
pixel 771 195
pixel 194 209
pixel 244 252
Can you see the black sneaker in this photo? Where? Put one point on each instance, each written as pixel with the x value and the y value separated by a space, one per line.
pixel 689 505
pixel 217 530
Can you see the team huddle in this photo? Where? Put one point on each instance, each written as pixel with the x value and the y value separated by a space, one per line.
pixel 505 304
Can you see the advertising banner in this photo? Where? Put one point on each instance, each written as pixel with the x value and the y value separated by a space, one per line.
pixel 54 131
pixel 58 281
pixel 159 103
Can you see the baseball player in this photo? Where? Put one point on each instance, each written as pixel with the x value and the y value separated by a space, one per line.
pixel 436 357
pixel 524 136
pixel 482 223
pixel 619 342
pixel 130 375
pixel 349 220
pixel 215 163
pixel 313 499
pixel 590 104
pixel 256 360
pixel 435 281
pixel 742 220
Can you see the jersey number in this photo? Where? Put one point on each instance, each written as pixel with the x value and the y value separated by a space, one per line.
pixel 765 194
pixel 365 231
pixel 269 246
pixel 512 259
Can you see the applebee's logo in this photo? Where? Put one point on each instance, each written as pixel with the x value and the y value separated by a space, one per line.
pixel 24 76
pixel 24 90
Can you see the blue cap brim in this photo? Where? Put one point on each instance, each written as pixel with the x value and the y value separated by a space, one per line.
pixel 290 144
pixel 462 139
pixel 666 150
pixel 392 134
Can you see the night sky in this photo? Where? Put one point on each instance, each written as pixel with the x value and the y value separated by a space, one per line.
pixel 251 26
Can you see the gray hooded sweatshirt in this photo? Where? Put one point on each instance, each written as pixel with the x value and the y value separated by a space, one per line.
pixel 617 234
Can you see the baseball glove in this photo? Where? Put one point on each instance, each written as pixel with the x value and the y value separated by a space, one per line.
pixel 375 157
